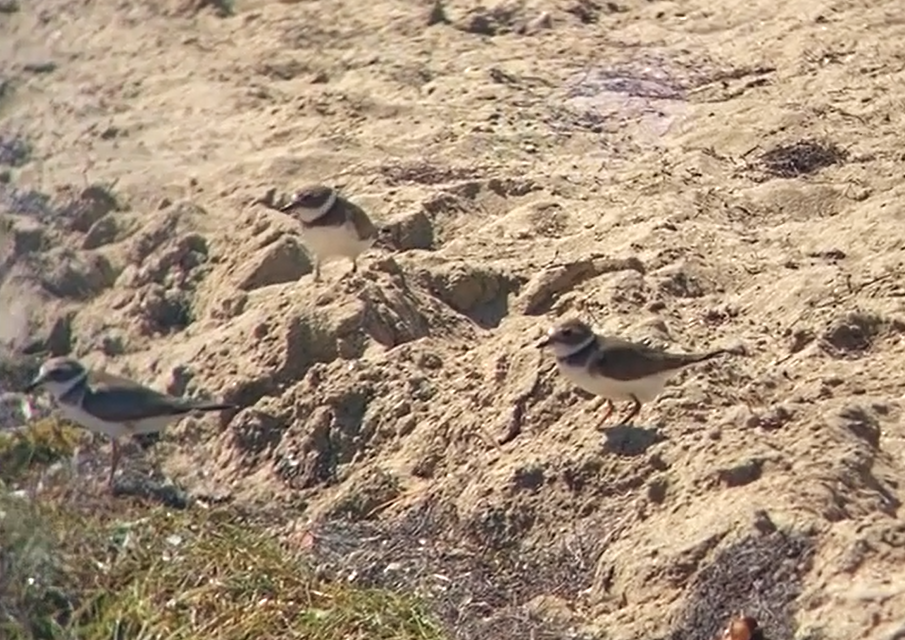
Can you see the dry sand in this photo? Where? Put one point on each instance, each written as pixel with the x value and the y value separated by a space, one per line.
pixel 696 173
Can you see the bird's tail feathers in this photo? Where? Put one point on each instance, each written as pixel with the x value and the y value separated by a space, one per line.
pixel 709 355
pixel 212 406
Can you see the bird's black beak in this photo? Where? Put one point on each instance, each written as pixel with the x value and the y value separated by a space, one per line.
pixel 33 385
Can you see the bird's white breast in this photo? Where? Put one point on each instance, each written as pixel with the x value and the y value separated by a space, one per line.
pixel 335 242
pixel 645 389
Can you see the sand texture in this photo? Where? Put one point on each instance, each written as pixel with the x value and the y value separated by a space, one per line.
pixel 697 174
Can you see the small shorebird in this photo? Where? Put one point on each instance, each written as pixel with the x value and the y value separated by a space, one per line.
pixel 112 405
pixel 332 226
pixel 615 369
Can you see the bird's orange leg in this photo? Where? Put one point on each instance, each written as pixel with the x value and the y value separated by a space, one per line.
pixel 634 411
pixel 606 414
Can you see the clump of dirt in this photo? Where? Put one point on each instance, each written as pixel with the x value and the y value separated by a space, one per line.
pixel 16 371
pixel 500 18
pixel 220 8
pixel 23 202
pixel 852 334
pixel 14 150
pixel 83 208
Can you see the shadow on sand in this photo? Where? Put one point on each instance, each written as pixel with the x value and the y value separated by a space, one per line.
pixel 630 440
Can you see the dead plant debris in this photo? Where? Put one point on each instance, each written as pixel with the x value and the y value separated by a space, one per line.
pixel 801 158
pixel 760 574
pixel 473 592
pixel 422 172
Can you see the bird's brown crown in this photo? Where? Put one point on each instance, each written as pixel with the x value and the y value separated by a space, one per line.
pixel 570 332
pixel 61 369
pixel 312 197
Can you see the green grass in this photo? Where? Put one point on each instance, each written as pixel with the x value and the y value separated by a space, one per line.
pixel 43 443
pixel 92 567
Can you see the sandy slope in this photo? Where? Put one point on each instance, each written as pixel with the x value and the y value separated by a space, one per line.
pixel 576 157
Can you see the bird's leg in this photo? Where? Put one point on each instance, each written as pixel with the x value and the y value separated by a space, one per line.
pixel 317 269
pixel 155 459
pixel 114 462
pixel 609 411
pixel 354 265
pixel 636 407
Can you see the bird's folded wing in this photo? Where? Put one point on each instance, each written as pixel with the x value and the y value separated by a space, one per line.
pixel 132 403
pixel 629 361
pixel 360 220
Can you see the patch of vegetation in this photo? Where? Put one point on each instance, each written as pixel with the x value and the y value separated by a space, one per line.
pixel 103 571
pixel 475 592
pixel 78 563
pixel 41 443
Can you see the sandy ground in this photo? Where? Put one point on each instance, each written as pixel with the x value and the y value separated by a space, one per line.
pixel 695 173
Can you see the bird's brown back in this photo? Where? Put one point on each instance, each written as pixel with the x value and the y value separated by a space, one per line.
pixel 364 227
pixel 344 211
pixel 620 359
pixel 117 399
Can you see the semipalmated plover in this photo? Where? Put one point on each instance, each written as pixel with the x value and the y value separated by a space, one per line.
pixel 332 226
pixel 615 369
pixel 112 405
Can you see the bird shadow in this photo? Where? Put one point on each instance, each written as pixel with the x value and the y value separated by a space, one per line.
pixel 630 440
pixel 143 478
pixel 152 489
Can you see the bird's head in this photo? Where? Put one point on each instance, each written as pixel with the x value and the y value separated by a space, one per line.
pixel 57 376
pixel 310 203
pixel 567 337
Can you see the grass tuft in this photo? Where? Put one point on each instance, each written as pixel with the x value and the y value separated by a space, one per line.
pixel 39 444
pixel 80 564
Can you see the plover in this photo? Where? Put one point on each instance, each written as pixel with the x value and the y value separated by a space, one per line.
pixel 332 226
pixel 615 369
pixel 112 405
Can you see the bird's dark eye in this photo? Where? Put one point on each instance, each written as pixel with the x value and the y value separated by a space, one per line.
pixel 566 333
pixel 59 374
